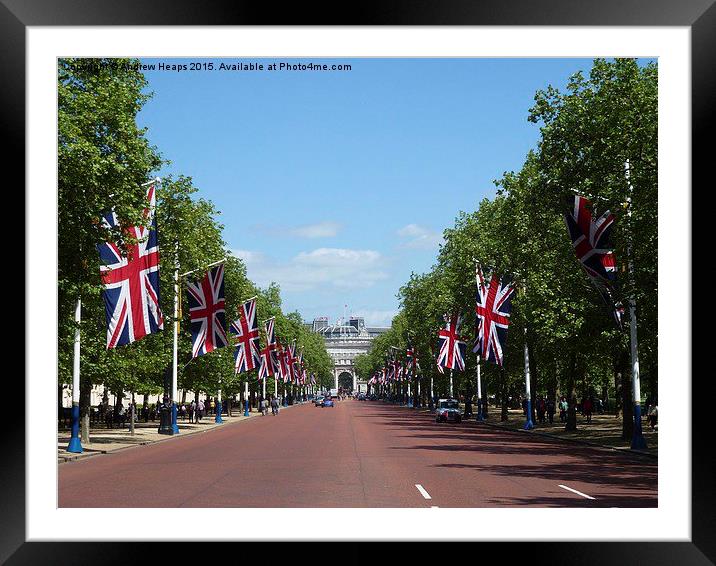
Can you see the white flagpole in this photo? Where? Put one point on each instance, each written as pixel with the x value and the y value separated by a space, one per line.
pixel 480 415
pixel 450 383
pixel 75 445
pixel 528 423
pixel 217 416
pixel 175 345
pixel 638 441
pixel 246 397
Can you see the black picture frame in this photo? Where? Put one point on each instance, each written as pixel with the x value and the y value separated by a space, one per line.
pixel 698 15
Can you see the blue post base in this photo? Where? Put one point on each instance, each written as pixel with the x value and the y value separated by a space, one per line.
pixel 175 426
pixel 246 408
pixel 410 403
pixel 75 445
pixel 480 416
pixel 285 400
pixel 638 442
pixel 217 418
pixel 529 425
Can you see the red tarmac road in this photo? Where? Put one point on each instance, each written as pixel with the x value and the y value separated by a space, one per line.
pixel 358 454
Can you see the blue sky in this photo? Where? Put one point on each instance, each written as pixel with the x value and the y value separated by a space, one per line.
pixel 338 184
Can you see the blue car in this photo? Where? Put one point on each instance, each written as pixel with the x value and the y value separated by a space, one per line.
pixel 327 402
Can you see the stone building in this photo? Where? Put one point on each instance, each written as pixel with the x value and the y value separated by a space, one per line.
pixel 344 341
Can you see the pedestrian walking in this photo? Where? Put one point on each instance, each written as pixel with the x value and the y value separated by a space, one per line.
pixel 563 410
pixel 274 406
pixel 653 415
pixel 587 409
pixel 199 411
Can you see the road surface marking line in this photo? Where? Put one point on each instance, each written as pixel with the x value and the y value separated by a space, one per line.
pixel 575 491
pixel 434 507
pixel 424 493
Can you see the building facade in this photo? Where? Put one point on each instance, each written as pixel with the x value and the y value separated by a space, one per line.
pixel 344 341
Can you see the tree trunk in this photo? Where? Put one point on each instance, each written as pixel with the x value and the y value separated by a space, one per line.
pixel 505 406
pixel 627 408
pixel 572 394
pixel 85 408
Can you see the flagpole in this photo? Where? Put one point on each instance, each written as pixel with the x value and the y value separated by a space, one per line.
pixel 217 417
pixel 638 442
pixel 175 345
pixel 480 415
pixel 431 404
pixel 529 425
pixel 75 445
pixel 246 397
pixel 450 383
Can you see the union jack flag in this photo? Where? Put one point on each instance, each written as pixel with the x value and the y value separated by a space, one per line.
pixel 207 311
pixel 451 346
pixel 493 305
pixel 130 284
pixel 283 363
pixel 271 344
pixel 412 359
pixel 246 331
pixel 590 240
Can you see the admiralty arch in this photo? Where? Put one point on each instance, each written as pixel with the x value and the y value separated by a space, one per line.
pixel 344 341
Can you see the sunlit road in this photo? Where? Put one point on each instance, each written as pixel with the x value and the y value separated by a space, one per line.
pixel 358 454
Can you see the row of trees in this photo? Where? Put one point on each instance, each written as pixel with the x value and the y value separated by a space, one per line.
pixel 588 133
pixel 103 160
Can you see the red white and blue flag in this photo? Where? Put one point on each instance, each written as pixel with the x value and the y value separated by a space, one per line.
pixel 591 242
pixel 207 311
pixel 590 239
pixel 283 363
pixel 493 306
pixel 130 283
pixel 269 355
pixel 246 337
pixel 451 346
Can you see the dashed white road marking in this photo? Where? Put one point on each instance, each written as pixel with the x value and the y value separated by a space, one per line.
pixel 424 493
pixel 575 491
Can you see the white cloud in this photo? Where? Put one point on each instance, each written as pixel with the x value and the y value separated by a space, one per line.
pixel 324 229
pixel 322 267
pixel 419 237
pixel 318 230
pixel 376 317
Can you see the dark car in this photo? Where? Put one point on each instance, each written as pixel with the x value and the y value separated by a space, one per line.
pixel 448 410
pixel 361 396
pixel 328 402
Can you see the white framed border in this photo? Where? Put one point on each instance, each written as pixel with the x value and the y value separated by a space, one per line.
pixel 670 521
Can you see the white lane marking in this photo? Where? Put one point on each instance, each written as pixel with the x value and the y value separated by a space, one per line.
pixel 424 493
pixel 575 491
pixel 434 507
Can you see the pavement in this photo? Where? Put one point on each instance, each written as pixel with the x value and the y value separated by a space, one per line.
pixel 604 430
pixel 359 454
pixel 106 440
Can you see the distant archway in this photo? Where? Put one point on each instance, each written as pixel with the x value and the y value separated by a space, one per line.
pixel 345 381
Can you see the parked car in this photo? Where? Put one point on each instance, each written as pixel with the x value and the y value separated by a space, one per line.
pixel 361 396
pixel 448 410
pixel 318 401
pixel 327 402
